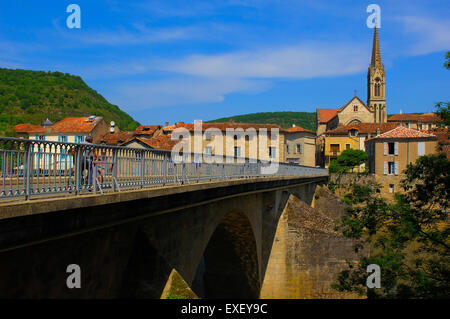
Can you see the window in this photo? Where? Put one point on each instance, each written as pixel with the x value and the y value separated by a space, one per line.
pixel 237 151
pixel 335 148
pixel 391 188
pixel 421 126
pixel 355 108
pixel 430 126
pixel 299 148
pixel 208 150
pixel 347 146
pixel 390 168
pixel 235 137
pixel 353 132
pixel 62 138
pixel 390 148
pixel 287 148
pixel 207 136
pixel 41 137
pixel 79 138
pixel 272 152
pixel 407 125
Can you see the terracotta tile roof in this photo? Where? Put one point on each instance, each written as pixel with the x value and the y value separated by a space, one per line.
pixel 325 115
pixel 296 129
pixel 30 128
pixel 116 138
pixel 161 142
pixel 123 137
pixel 403 132
pixel 364 128
pixel 425 118
pixel 147 129
pixel 220 126
pixel 67 125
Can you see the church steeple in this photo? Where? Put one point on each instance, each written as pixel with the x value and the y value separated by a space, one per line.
pixel 376 56
pixel 376 97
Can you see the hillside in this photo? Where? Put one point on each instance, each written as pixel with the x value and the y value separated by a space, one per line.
pixel 306 120
pixel 33 96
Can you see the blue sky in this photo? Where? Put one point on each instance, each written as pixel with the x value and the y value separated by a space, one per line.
pixel 179 60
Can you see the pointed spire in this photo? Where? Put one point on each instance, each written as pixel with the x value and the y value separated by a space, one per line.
pixel 376 56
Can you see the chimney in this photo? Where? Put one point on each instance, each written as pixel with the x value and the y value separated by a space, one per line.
pixel 167 124
pixel 401 112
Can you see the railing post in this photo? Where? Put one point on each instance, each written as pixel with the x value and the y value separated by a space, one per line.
pixel 77 170
pixel 142 169
pixel 165 169
pixel 114 171
pixel 94 176
pixel 183 172
pixel 27 170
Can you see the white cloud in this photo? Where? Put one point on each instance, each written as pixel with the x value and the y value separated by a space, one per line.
pixel 209 78
pixel 175 91
pixel 428 34
pixel 301 62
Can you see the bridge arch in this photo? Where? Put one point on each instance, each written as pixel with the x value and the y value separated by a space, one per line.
pixel 229 265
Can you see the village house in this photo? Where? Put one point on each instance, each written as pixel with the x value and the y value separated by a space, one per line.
pixel 300 145
pixel 422 122
pixel 390 153
pixel 70 129
pixel 350 137
pixel 243 141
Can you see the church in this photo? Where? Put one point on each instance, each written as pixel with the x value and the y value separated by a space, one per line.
pixel 336 126
pixel 355 111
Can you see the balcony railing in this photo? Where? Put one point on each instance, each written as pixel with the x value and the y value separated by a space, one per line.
pixel 32 168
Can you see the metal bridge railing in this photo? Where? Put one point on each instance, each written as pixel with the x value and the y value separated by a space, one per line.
pixel 33 167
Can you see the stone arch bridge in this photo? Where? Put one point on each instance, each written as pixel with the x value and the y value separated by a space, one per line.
pixel 221 237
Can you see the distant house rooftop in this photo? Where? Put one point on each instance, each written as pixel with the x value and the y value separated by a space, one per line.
pixel 68 125
pixel 403 133
pixel 424 118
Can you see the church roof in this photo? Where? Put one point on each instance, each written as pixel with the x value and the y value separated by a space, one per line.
pixel 346 104
pixel 325 115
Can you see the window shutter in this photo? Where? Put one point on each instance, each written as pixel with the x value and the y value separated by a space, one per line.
pixel 396 148
pixel 385 168
pixel 385 148
pixel 59 138
pixel 421 148
pixel 396 168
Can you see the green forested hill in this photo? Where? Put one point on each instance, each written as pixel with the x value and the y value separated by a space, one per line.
pixel 306 120
pixel 33 96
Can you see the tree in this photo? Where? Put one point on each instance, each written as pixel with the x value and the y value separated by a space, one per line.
pixel 409 238
pixel 443 107
pixel 348 160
